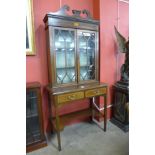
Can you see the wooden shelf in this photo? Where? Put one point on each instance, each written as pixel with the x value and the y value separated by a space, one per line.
pixel 65 67
pixel 59 50
pixel 32 115
pixel 64 119
pixel 84 65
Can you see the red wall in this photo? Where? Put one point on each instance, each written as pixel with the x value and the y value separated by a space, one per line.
pixel 109 56
pixel 36 66
pixel 108 49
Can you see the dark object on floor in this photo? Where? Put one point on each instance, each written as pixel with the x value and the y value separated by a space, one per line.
pixel 121 106
pixel 121 88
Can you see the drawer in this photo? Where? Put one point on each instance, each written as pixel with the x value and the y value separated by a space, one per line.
pixel 95 92
pixel 70 97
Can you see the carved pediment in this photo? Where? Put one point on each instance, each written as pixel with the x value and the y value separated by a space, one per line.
pixel 76 14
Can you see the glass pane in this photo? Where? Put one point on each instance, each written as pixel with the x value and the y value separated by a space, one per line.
pixel 65 55
pixel 32 118
pixel 31 103
pixel 87 55
pixel 32 130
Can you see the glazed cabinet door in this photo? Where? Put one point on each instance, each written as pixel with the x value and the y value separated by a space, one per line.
pixel 33 126
pixel 87 43
pixel 64 41
pixel 35 137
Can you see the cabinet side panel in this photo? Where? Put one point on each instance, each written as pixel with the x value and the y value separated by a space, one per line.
pixel 49 55
pixel 97 56
pixel 40 112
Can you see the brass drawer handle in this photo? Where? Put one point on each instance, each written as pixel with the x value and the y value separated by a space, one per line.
pixel 72 97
